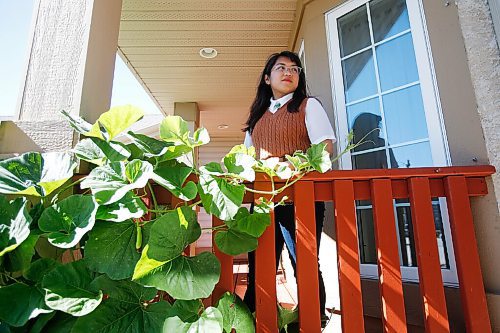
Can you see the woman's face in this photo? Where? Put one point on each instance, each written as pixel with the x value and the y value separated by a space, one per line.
pixel 284 77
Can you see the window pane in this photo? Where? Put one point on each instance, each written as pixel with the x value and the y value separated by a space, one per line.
pixel 15 19
pixel 373 160
pixel 365 122
pixel 359 76
pixel 404 115
pixel 396 63
pixel 368 253
pixel 389 17
pixel 354 33
pixel 441 241
pixel 411 156
pixel 406 239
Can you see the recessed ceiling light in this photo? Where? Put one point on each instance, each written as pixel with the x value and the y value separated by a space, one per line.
pixel 208 52
pixel 223 126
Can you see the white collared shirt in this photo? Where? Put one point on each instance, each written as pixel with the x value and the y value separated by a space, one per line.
pixel 318 125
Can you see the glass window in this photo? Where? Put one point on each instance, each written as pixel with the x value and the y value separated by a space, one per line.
pixel 15 24
pixel 354 31
pixel 389 17
pixel 396 63
pixel 411 156
pixel 359 76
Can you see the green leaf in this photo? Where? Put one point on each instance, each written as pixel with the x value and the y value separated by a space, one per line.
pixel 174 129
pixel 61 323
pixel 126 310
pixel 35 173
pixel 172 232
pixel 111 249
pixel 68 220
pixel 98 151
pixel 115 121
pixel 241 165
pixel 252 224
pixel 39 268
pixel 173 179
pixel 212 168
pixel 219 197
pixel 126 208
pixel 283 170
pixel 286 317
pixel 183 277
pixel 19 303
pixel 149 146
pixel 41 321
pixel 210 321
pixel 20 258
pixel 78 123
pixel 236 314
pixel 233 242
pixel 111 182
pixel 319 158
pixel 14 223
pixel 68 289
pixel 187 311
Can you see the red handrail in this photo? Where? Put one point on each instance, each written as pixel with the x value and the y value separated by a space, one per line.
pixel 457 184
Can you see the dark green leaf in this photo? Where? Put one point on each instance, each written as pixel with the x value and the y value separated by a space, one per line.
pixel 61 323
pixel 187 311
pixel 286 316
pixel 20 258
pixel 68 220
pixel 68 289
pixel 235 314
pixel 20 302
pixel 183 278
pixel 149 146
pixel 39 268
pixel 252 224
pixel 233 242
pixel 14 223
pixel 35 173
pixel 41 321
pixel 109 183
pixel 219 197
pixel 111 249
pixel 172 232
pixel 126 208
pixel 173 179
pixel 210 321
pixel 125 311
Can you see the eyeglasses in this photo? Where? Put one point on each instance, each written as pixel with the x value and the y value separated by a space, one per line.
pixel 294 70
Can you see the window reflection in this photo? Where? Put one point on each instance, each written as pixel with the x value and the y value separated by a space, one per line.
pixel 396 63
pixel 354 33
pixel 404 115
pixel 412 156
pixel 359 76
pixel 389 17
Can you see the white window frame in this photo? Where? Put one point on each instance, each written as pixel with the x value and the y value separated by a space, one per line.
pixel 432 110
pixel 302 55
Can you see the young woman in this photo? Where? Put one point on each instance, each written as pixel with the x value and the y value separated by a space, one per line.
pixel 284 119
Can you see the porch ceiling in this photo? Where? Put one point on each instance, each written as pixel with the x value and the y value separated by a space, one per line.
pixel 161 41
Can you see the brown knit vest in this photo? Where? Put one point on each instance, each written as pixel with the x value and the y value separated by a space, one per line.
pixel 281 133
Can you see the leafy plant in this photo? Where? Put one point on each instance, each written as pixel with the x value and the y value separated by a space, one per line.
pixel 124 261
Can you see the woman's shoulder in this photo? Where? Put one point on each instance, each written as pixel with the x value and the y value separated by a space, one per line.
pixel 312 103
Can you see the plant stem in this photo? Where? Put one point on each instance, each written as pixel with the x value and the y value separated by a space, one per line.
pixel 155 203
pixel 215 228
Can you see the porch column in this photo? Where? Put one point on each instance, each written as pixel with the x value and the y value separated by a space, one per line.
pixel 70 67
pixel 484 64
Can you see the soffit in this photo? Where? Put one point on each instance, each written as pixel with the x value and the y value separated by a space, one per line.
pixel 161 41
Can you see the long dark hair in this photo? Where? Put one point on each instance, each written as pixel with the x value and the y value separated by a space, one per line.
pixel 264 91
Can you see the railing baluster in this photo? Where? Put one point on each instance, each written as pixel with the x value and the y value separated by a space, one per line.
pixel 466 256
pixel 429 268
pixel 307 258
pixel 266 313
pixel 351 302
pixel 391 289
pixel 226 266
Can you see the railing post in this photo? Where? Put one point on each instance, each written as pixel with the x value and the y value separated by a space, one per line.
pixel 307 258
pixel 391 288
pixel 467 258
pixel 226 266
pixel 266 312
pixel 351 302
pixel 429 268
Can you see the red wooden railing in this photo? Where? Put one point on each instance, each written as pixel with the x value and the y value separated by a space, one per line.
pixel 457 184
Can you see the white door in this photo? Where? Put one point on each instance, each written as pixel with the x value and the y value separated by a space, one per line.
pixel 385 93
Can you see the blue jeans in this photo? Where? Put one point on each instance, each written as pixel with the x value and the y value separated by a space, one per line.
pixel 285 219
